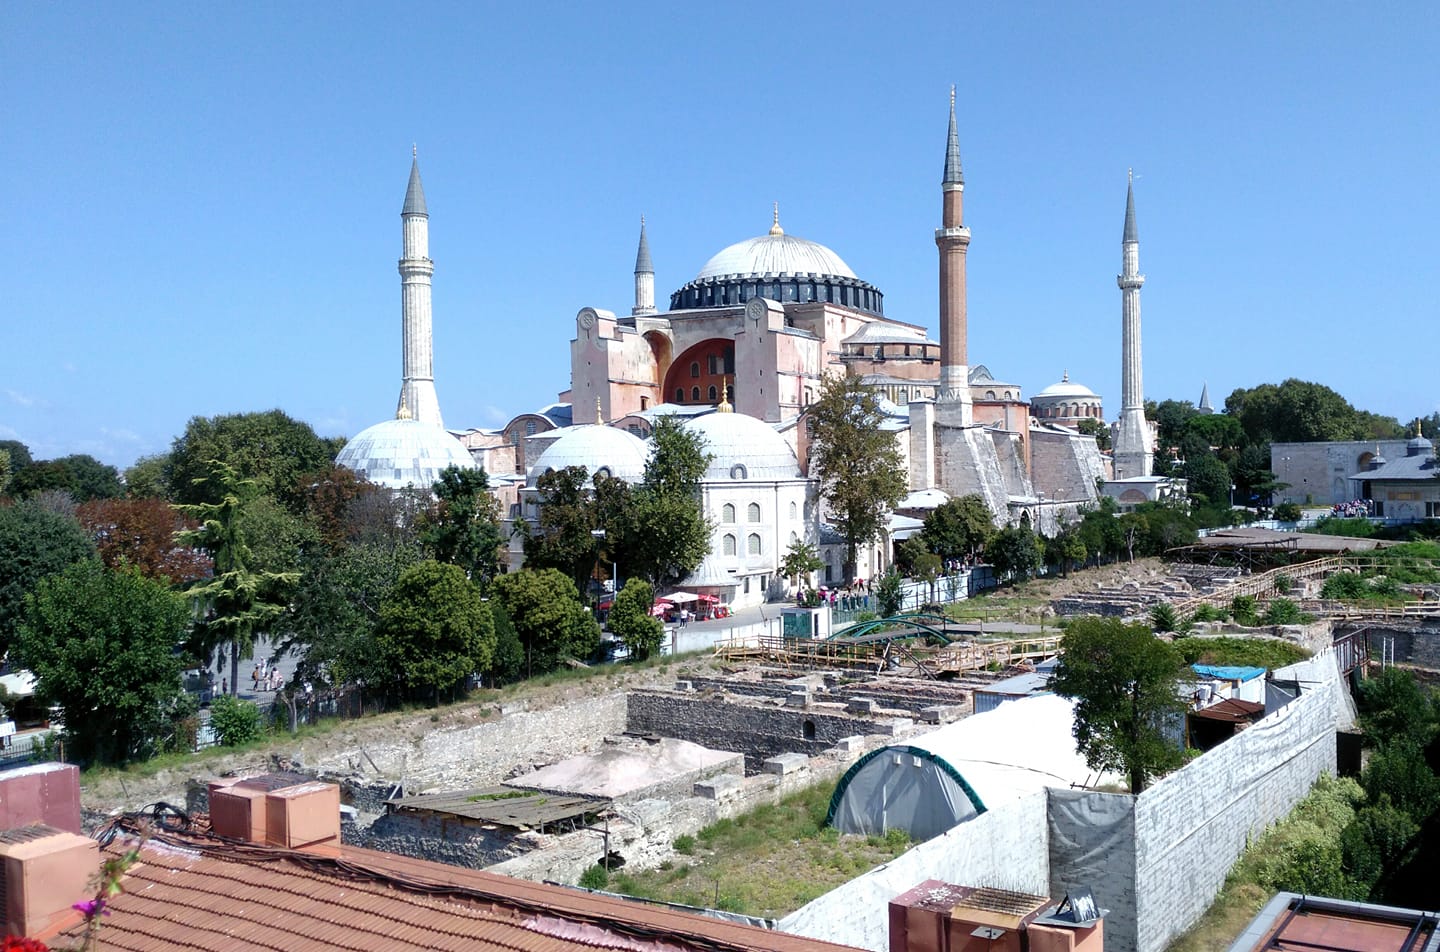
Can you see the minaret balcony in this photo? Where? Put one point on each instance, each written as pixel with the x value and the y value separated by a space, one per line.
pixel 954 234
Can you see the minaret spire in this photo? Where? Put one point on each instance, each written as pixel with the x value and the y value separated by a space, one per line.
pixel 775 228
pixel 953 240
pixel 417 388
pixel 1134 447
pixel 644 276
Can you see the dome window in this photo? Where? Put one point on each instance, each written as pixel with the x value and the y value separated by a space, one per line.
pixel 603 471
pixel 695 368
pixel 753 513
pixel 728 546
pixel 738 471
pixel 752 543
pixel 679 394
pixel 714 394
pixel 695 392
pixel 727 514
pixel 529 427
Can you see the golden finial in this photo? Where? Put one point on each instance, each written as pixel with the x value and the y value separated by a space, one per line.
pixel 599 416
pixel 404 412
pixel 724 405
pixel 1417 427
pixel 775 228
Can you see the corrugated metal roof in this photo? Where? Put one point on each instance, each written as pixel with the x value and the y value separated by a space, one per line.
pixel 190 891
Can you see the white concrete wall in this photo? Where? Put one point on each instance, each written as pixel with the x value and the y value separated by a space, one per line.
pixel 1005 848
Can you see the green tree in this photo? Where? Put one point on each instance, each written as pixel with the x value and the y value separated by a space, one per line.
pixel 959 528
pixel 1216 430
pixel 630 620
pixel 7 469
pixel 856 461
pixel 545 608
pixel 666 535
pixel 237 601
pixel 278 539
pixel 1073 551
pixel 234 721
pixel 19 454
pixel 100 644
pixel 435 629
pixel 563 537
pixel 1394 707
pixel 801 559
pixel 332 620
pixel 34 543
pixel 1377 840
pixel 270 448
pixel 1016 551
pixel 145 478
pixel 508 664
pixel 1124 682
pixel 889 594
pixel 1209 480
pixel 1133 528
pixel 1098 429
pixel 463 527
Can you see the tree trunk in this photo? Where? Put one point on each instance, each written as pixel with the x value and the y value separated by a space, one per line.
pixel 234 669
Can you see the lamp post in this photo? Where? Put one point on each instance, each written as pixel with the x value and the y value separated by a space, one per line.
pixel 614 565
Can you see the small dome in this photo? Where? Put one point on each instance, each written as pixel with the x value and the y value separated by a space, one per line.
pixel 1066 388
pixel 404 452
pixel 743 447
pixel 1419 446
pixel 775 254
pixel 595 447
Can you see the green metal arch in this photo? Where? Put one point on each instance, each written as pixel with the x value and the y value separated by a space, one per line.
pixel 933 758
pixel 913 621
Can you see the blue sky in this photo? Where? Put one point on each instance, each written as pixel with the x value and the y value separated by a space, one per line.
pixel 201 201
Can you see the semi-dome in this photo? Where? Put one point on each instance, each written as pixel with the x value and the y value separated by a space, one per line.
pixel 742 447
pixel 780 267
pixel 404 452
pixel 595 446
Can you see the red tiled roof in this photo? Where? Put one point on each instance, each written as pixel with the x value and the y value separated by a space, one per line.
pixel 192 891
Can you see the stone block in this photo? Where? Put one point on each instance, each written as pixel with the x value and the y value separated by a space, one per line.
pixel 939 713
pixel 718 788
pixel 861 705
pixel 783 764
pixel 684 686
pixel 897 726
pixel 797 699
pixel 850 744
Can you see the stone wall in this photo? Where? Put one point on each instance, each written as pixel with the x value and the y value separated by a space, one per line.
pixel 1005 848
pixel 758 731
pixel 490 751
pixel 1406 644
pixel 444 839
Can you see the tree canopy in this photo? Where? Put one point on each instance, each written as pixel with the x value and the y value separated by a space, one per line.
pixel 463 526
pixel 1125 683
pixel 435 630
pixel 630 620
pixel 563 535
pixel 101 646
pixel 82 476
pixel 34 543
pixel 857 462
pixel 270 448
pixel 544 606
pixel 959 528
pixel 141 533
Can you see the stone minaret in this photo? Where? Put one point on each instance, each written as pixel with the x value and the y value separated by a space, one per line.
pixel 644 276
pixel 417 389
pixel 1134 449
pixel 953 239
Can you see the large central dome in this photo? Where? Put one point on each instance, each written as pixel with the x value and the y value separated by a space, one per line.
pixel 779 267
pixel 775 254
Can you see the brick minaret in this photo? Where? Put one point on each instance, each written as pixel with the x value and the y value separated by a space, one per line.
pixel 953 239
pixel 417 388
pixel 1134 449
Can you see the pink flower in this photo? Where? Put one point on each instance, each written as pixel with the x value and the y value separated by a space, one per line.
pixel 92 907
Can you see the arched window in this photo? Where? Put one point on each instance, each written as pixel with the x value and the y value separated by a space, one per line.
pixel 695 368
pixel 753 543
pixel 753 512
pixel 727 514
pixel 603 471
pixel 794 511
pixel 529 427
pixel 695 394
pixel 679 394
pixel 989 394
pixel 794 538
pixel 807 730
pixel 728 547
pixel 713 393
pixel 738 471
pixel 644 403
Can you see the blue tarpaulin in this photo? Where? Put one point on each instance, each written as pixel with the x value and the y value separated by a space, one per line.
pixel 1228 672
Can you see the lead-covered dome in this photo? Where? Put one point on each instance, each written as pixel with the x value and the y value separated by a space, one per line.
pixel 595 447
pixel 780 267
pixel 402 453
pixel 742 447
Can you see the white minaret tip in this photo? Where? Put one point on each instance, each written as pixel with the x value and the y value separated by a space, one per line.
pixel 775 228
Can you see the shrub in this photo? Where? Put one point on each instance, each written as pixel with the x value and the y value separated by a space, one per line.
pixel 1344 585
pixel 1162 617
pixel 234 721
pixel 596 877
pixel 1284 584
pixel 1288 512
pixel 1242 609
pixel 684 844
pixel 1282 611
pixel 632 622
pixel 1376 841
pixel 1209 613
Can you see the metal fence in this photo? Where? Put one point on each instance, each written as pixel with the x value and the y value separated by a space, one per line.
pixel 915 594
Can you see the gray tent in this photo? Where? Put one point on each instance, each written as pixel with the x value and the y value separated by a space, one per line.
pixel 954 773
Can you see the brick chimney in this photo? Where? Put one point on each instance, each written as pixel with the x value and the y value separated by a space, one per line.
pixel 941 917
pixel 43 872
pixel 286 810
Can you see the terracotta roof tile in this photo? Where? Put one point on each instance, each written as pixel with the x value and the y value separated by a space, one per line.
pixel 193 892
